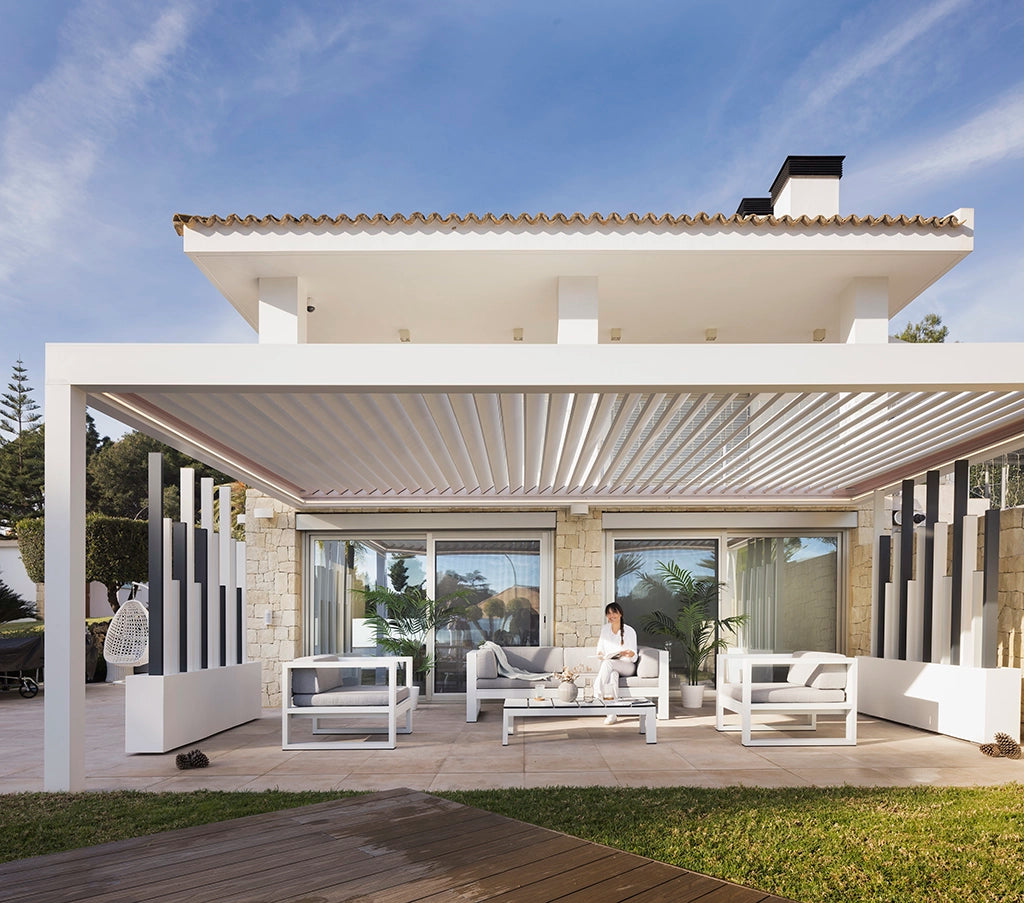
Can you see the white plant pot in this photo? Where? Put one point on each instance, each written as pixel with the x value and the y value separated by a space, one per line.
pixel 693 696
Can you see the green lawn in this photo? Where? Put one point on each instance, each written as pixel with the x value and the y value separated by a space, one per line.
pixel 844 844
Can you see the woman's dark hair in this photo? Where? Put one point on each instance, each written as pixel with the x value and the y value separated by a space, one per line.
pixel 614 606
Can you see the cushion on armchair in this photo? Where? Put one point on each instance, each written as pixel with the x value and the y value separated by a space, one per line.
pixel 647 666
pixel 815 673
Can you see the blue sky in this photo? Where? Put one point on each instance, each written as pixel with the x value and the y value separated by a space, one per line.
pixel 114 115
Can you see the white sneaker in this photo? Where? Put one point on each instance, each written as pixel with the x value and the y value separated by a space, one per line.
pixel 610 719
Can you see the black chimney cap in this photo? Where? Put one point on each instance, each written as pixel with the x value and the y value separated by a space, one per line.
pixel 806 166
pixel 755 207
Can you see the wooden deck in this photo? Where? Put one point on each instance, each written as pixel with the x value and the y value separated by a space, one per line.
pixel 396 846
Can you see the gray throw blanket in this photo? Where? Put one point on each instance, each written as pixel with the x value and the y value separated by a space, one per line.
pixel 505 669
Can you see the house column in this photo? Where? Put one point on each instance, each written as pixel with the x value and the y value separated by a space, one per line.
pixel 577 310
pixel 864 311
pixel 282 311
pixel 64 704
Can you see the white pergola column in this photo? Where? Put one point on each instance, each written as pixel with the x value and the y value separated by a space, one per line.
pixel 864 311
pixel 577 310
pixel 282 311
pixel 64 704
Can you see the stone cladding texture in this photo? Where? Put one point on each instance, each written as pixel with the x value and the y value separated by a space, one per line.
pixel 273 571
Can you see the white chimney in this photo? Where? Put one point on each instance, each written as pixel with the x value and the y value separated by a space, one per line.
pixel 808 186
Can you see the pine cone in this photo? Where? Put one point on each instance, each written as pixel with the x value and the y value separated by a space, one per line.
pixel 194 758
pixel 1008 746
pixel 990 749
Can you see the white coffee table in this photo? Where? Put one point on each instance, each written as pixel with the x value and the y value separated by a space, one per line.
pixel 554 708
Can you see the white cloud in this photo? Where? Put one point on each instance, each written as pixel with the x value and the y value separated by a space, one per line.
pixel 854 65
pixel 990 136
pixel 55 135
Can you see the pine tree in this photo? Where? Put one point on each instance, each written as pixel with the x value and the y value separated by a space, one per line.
pixel 17 408
pixel 930 329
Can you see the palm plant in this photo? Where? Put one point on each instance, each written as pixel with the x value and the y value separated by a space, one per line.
pixel 695 627
pixel 402 620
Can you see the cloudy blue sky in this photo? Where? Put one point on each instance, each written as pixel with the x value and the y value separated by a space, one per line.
pixel 116 114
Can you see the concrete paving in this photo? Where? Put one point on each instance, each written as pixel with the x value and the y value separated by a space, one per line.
pixel 445 753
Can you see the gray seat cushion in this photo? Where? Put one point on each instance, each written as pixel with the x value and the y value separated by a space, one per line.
pixel 788 692
pixel 360 696
pixel 512 683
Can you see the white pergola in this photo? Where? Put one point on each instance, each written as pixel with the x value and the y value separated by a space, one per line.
pixel 616 394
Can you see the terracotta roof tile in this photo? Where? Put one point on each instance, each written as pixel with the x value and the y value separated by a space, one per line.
pixel 183 221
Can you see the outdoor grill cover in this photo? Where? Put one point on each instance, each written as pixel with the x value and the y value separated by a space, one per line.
pixel 21 653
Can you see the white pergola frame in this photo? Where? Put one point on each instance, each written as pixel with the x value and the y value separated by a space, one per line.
pixel 117 378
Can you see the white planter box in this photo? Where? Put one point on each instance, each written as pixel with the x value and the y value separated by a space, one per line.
pixel 168 711
pixel 968 703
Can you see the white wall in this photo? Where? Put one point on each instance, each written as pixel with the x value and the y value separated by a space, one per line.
pixel 12 570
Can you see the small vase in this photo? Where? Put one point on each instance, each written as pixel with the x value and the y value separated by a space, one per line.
pixel 567 691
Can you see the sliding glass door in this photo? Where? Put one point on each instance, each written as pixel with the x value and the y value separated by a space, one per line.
pixel 503 581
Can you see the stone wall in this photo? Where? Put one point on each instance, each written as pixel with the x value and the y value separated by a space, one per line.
pixel 858 594
pixel 579 591
pixel 272 556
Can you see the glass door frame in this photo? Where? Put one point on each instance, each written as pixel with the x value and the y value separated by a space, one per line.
pixel 545 537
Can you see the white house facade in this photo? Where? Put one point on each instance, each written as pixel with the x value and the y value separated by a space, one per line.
pixel 539 409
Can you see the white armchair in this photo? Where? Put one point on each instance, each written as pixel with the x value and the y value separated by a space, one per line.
pixel 817 683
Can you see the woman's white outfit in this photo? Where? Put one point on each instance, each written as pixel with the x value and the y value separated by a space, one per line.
pixel 609 644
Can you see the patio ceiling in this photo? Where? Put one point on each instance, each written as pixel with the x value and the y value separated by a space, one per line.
pixel 331 434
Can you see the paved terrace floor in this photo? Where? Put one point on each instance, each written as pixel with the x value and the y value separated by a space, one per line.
pixel 445 753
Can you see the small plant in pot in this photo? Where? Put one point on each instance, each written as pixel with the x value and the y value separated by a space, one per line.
pixel 402 619
pixel 695 627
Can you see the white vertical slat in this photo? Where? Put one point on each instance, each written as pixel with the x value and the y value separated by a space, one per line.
pixel 206 522
pixel 227 569
pixel 891 618
pixel 512 405
pixel 536 436
pixel 187 516
pixel 967 599
pixel 559 406
pixel 977 599
pixel 941 624
pixel 915 604
pixel 942 589
pixel 171 664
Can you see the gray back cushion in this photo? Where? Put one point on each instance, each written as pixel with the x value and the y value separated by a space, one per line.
pixel 648 664
pixel 486 664
pixel 815 674
pixel 538 659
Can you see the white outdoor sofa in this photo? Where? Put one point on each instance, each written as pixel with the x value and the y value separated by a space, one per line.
pixel 330 687
pixel 817 683
pixel 484 683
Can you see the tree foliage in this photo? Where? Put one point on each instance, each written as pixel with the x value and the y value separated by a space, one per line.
pixel 18 410
pixel 930 329
pixel 116 551
pixel 119 476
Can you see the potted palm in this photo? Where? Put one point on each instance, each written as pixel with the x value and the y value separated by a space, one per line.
pixel 695 627
pixel 402 619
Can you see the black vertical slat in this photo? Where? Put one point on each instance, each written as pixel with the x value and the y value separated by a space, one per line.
pixel 238 624
pixel 990 598
pixel 931 517
pixel 179 572
pixel 156 564
pixel 884 564
pixel 203 576
pixel 961 476
pixel 223 624
pixel 906 564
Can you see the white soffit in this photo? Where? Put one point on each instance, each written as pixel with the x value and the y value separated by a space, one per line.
pixel 797 424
